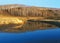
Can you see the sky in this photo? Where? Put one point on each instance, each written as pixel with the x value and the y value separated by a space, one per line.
pixel 40 3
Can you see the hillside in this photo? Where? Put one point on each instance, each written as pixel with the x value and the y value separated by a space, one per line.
pixel 29 11
pixel 12 15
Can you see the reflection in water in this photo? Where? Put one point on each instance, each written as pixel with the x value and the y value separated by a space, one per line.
pixel 28 26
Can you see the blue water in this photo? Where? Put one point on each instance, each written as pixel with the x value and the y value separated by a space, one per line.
pixel 38 36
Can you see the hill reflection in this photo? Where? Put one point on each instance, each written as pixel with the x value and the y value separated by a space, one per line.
pixel 28 26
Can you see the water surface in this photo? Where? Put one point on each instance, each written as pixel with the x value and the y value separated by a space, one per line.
pixel 38 36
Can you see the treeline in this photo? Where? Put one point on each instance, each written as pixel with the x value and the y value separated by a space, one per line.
pixel 33 12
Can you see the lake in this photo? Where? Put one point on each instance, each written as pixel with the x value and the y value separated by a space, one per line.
pixel 38 36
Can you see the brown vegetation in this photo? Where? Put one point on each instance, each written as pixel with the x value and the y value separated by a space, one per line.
pixel 23 12
pixel 26 11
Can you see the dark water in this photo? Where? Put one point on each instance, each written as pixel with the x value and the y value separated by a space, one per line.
pixel 38 36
